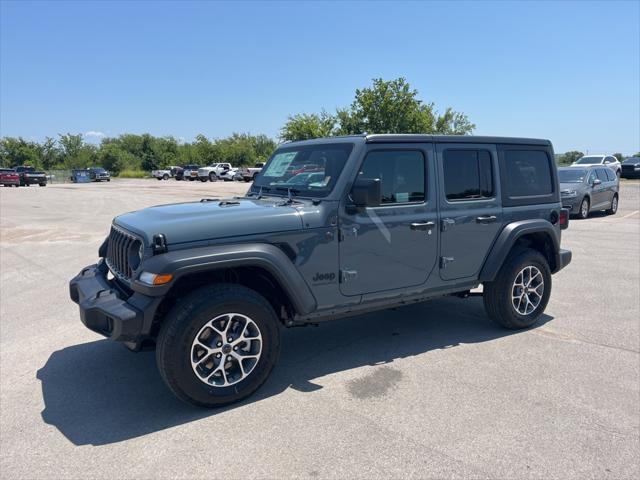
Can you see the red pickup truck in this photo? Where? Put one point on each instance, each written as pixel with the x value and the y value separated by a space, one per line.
pixel 29 176
pixel 9 177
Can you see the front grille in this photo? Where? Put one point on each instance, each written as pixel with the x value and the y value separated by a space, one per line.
pixel 123 247
pixel 628 168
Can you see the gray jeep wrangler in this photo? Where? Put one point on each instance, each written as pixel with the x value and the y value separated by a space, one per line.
pixel 330 228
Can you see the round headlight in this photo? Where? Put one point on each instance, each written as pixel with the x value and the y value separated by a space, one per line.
pixel 136 251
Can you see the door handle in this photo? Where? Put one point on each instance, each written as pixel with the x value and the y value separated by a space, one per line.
pixel 422 225
pixel 486 219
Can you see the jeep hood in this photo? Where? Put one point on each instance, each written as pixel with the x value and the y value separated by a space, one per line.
pixel 200 221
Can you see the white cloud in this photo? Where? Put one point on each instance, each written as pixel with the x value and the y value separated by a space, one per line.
pixel 94 134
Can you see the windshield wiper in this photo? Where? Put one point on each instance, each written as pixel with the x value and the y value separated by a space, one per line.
pixel 289 191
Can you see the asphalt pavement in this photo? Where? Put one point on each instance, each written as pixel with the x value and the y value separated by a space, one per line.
pixel 427 391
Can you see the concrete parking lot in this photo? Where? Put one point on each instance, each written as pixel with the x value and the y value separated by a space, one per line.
pixel 426 391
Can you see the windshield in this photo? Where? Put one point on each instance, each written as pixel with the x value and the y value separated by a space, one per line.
pixel 573 175
pixel 589 160
pixel 310 171
pixel 99 170
pixel 632 160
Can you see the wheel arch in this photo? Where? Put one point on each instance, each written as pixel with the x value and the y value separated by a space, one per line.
pixel 537 234
pixel 264 268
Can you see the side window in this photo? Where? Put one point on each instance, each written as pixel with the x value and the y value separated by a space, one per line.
pixel 401 174
pixel 610 159
pixel 611 175
pixel 528 173
pixel 468 174
pixel 602 175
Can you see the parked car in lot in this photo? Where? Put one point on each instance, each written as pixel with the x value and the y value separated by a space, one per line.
pixel 631 168
pixel 80 175
pixel 394 220
pixel 217 170
pixel 229 175
pixel 99 174
pixel 29 176
pixel 249 174
pixel 587 189
pixel 189 172
pixel 9 177
pixel 165 173
pixel 606 160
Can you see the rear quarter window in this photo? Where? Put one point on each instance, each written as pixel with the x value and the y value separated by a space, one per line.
pixel 528 173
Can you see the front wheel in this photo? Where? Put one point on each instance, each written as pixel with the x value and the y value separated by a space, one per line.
pixel 583 213
pixel 519 294
pixel 614 206
pixel 218 345
pixel 212 177
pixel 165 177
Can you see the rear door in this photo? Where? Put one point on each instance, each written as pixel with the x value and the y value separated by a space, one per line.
pixel 470 207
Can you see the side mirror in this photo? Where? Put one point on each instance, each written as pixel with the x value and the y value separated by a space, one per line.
pixel 366 192
pixel 596 182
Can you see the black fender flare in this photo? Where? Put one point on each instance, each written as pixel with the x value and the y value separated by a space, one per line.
pixel 269 257
pixel 507 239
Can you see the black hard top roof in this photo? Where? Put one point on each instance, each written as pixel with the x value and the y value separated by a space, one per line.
pixel 420 138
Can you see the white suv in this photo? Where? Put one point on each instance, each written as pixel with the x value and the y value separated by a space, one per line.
pixel 606 160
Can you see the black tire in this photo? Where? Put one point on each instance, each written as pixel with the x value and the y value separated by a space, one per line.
pixel 42 184
pixel 614 205
pixel 497 295
pixel 183 323
pixel 203 179
pixel 213 177
pixel 583 212
pixel 159 179
pixel 165 177
pixel 247 179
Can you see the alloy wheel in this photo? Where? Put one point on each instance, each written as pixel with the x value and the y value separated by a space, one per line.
pixel 226 350
pixel 527 290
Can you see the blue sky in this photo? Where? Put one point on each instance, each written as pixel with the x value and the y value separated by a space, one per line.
pixel 565 71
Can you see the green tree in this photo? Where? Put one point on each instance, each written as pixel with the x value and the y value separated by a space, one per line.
pixel 569 157
pixel 619 156
pixel 394 107
pixel 18 151
pixel 306 126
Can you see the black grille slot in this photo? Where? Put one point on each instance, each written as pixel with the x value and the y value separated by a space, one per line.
pixel 118 252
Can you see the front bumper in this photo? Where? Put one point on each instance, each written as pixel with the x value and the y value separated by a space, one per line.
pixel 106 309
pixel 572 203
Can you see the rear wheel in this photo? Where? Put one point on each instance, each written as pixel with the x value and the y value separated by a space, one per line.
pixel 218 345
pixel 42 184
pixel 614 206
pixel 212 177
pixel 521 290
pixel 165 177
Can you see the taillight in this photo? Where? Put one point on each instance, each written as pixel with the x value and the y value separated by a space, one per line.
pixel 564 218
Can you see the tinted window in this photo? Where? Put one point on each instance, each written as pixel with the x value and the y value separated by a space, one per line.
pixel 602 175
pixel 401 175
pixel 468 174
pixel 590 160
pixel 592 177
pixel 528 173
pixel 611 175
pixel 571 175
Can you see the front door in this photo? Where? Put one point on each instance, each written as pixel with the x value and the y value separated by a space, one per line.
pixel 470 209
pixel 394 245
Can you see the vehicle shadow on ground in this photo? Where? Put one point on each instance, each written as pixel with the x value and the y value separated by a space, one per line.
pixel 99 393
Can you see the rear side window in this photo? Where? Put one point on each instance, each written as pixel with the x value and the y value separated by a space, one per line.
pixel 602 175
pixel 468 174
pixel 528 173
pixel 611 175
pixel 401 174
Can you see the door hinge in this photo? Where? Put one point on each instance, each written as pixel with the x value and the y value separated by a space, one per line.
pixel 347 275
pixel 444 261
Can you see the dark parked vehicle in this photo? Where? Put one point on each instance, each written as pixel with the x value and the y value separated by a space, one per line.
pixel 631 168
pixel 9 177
pixel 584 190
pixel 99 174
pixel 29 176
pixel 80 175
pixel 391 220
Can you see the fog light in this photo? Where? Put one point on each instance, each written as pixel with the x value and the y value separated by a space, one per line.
pixel 154 279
